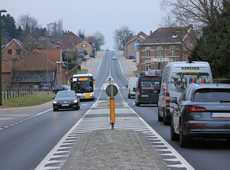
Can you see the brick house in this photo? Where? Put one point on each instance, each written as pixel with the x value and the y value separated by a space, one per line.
pixel 85 46
pixel 163 46
pixel 131 47
pixel 14 51
pixel 7 73
pixel 71 40
pixel 31 71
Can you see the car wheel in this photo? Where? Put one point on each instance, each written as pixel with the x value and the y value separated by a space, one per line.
pixel 159 117
pixel 183 140
pixel 129 96
pixel 173 135
pixel 138 104
pixel 165 122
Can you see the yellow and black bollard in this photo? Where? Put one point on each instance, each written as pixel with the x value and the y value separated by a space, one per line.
pixel 112 112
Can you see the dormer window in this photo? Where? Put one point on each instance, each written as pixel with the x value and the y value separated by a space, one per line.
pixel 175 36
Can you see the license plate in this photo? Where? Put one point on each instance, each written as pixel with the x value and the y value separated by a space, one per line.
pixel 220 115
pixel 65 105
pixel 145 96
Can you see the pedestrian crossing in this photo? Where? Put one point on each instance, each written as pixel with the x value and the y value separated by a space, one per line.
pixel 98 118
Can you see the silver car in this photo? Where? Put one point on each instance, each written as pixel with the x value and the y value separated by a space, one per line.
pixel 202 112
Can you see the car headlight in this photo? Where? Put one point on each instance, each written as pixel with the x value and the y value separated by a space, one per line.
pixel 75 101
pixel 55 102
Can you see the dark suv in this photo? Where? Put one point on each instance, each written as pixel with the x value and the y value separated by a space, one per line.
pixel 60 88
pixel 203 111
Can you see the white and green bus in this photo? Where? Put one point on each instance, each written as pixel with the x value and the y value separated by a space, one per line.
pixel 83 85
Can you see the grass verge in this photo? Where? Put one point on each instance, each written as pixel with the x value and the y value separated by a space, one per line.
pixel 30 100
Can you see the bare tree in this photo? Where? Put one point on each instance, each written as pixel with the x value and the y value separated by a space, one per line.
pixel 181 14
pixel 60 26
pixel 25 21
pixel 122 36
pixel 100 40
pixel 185 12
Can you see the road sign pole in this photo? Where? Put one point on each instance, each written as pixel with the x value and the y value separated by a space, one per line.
pixel 112 112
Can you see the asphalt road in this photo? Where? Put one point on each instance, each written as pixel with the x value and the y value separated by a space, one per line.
pixel 27 136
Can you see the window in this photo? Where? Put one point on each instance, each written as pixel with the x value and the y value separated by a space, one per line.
pixel 18 51
pixel 148 53
pixel 9 51
pixel 172 52
pixel 147 66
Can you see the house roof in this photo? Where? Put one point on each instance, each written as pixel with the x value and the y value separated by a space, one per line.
pixel 18 42
pixel 167 35
pixel 55 55
pixel 140 36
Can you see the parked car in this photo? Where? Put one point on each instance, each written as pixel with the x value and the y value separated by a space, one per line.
pixel 60 88
pixel 203 111
pixel 114 57
pixel 65 100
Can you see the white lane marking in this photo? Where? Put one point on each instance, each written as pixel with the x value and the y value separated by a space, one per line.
pixel 25 119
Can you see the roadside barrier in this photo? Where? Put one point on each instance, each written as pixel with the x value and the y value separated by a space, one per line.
pixel 15 93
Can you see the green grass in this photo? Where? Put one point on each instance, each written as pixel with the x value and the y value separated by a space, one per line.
pixel 30 100
pixel 33 99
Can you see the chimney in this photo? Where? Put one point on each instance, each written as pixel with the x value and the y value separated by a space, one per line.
pixel 151 32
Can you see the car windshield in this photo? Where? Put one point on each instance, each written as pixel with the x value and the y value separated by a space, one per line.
pixel 212 95
pixel 65 94
pixel 180 80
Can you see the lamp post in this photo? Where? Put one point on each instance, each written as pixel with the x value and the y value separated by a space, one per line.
pixel 47 65
pixel 160 55
pixel 3 10
pixel 67 60
pixel 178 29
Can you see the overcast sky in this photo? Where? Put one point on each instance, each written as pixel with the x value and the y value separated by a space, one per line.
pixel 104 16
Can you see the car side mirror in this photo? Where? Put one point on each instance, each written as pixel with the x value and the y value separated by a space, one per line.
pixel 126 85
pixel 173 100
pixel 53 97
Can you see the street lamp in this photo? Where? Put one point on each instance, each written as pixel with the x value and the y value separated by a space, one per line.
pixel 67 60
pixel 178 29
pixel 3 10
pixel 47 64
pixel 160 54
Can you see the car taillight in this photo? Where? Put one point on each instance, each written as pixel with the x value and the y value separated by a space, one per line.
pixel 167 100
pixel 138 92
pixel 129 89
pixel 190 109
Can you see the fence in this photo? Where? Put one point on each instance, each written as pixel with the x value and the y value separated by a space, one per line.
pixel 15 93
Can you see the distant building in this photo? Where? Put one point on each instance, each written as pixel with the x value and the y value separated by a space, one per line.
pixel 163 46
pixel 71 40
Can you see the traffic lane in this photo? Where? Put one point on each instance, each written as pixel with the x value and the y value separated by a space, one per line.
pixel 11 115
pixel 117 74
pixel 33 139
pixel 205 155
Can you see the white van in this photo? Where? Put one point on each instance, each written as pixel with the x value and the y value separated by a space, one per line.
pixel 131 85
pixel 175 78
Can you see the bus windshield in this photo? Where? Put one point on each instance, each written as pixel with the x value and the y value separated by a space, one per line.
pixel 82 84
